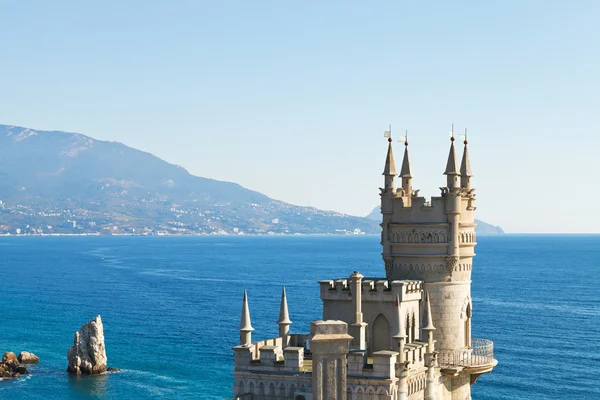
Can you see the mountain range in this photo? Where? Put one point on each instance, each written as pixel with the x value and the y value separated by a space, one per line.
pixel 60 182
pixel 54 182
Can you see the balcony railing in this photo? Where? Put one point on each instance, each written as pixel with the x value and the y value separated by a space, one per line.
pixel 480 353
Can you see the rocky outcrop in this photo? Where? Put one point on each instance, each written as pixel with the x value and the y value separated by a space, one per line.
pixel 10 368
pixel 9 357
pixel 88 354
pixel 26 357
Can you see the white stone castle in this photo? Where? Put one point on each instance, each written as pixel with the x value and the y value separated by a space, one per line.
pixel 403 337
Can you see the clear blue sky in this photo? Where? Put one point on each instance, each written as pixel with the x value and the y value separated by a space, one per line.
pixel 291 98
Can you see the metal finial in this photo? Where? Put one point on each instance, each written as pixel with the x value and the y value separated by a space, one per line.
pixel 466 141
pixel 452 133
pixel 406 136
pixel 388 134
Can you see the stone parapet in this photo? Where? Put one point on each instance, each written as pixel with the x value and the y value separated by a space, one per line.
pixel 373 289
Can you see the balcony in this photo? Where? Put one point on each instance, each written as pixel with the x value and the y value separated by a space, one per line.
pixel 479 355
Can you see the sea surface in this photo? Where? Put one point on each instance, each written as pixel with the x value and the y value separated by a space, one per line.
pixel 171 308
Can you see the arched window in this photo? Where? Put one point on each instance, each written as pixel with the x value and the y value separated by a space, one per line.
pixel 291 390
pixel 381 334
pixel 413 327
pixel 408 338
pixel 468 326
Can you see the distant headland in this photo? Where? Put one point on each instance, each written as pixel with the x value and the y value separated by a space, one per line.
pixel 482 228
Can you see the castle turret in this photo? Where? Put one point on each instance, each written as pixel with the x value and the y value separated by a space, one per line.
pixel 284 316
pixel 387 195
pixel 428 327
pixel 406 175
pixel 453 199
pixel 430 356
pixel 389 171
pixel 245 325
pixel 452 167
pixel 358 328
pixel 465 167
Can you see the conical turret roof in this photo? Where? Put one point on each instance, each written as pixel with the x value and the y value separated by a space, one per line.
pixel 406 172
pixel 245 324
pixel 284 317
pixel 427 318
pixel 451 166
pixel 465 165
pixel 390 167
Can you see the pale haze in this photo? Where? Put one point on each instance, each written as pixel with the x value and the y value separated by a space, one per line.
pixel 291 98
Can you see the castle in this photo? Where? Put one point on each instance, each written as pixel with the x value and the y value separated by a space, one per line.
pixel 406 336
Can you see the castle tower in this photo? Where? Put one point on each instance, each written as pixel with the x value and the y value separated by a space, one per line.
pixel 403 336
pixel 434 242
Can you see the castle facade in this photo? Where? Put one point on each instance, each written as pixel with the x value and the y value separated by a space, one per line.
pixel 405 336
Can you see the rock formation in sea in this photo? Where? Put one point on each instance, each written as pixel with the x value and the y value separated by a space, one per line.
pixel 26 357
pixel 88 354
pixel 9 366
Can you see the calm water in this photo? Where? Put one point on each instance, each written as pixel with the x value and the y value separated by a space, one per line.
pixel 171 308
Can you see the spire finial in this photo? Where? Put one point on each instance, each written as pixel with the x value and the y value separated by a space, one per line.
pixel 388 134
pixel 466 141
pixel 451 167
pixel 390 167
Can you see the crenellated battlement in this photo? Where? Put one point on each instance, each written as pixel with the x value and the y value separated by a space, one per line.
pixel 373 289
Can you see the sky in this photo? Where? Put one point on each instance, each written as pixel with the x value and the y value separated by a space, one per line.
pixel 291 98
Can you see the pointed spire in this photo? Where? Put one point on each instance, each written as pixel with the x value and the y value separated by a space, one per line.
pixel 405 172
pixel 284 317
pixel 390 167
pixel 245 325
pixel 451 166
pixel 427 318
pixel 465 165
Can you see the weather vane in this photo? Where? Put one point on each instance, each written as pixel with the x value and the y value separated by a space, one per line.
pixel 404 139
pixel 388 134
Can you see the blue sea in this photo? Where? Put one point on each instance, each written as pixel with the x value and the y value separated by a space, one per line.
pixel 171 306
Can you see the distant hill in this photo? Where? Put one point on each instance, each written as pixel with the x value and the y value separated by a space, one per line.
pixel 60 182
pixel 482 228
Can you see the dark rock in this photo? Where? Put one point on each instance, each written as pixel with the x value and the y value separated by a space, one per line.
pixel 22 370
pixel 7 374
pixel 112 369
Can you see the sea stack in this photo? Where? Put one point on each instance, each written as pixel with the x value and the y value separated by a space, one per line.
pixel 88 354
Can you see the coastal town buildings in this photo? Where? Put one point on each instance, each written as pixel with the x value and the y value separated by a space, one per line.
pixel 403 336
